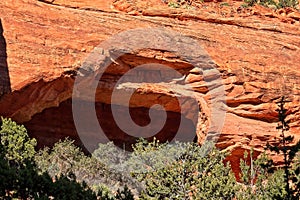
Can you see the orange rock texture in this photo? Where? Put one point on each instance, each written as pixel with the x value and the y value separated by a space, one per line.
pixel 256 50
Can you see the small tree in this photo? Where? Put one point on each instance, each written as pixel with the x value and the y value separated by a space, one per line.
pixel 19 176
pixel 16 143
pixel 286 147
pixel 258 181
pixel 65 158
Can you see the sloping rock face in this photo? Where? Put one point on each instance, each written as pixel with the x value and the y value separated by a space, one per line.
pixel 255 51
pixel 4 78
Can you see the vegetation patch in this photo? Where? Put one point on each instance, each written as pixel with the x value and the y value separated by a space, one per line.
pixel 274 3
pixel 153 170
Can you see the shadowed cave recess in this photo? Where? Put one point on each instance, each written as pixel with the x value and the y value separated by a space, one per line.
pixel 56 123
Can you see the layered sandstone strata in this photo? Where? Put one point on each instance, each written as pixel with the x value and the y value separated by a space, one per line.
pixel 255 50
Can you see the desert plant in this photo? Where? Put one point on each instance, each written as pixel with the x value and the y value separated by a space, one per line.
pixel 287 3
pixel 19 175
pixel 65 158
pixel 190 175
pixel 16 144
pixel 187 4
pixel 288 150
pixel 276 4
pixel 124 194
pixel 295 174
pixel 258 181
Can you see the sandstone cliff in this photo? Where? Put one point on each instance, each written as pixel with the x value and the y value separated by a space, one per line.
pixel 256 50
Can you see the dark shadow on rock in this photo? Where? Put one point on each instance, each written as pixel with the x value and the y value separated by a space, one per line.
pixel 4 73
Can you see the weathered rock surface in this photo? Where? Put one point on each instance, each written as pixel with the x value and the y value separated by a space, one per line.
pixel 256 51
pixel 4 78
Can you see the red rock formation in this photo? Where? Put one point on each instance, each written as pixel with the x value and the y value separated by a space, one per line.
pixel 255 49
pixel 4 78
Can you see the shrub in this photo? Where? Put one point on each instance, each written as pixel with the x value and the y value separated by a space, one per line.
pixel 295 174
pixel 258 181
pixel 187 4
pixel 65 158
pixel 15 141
pixel 277 4
pixel 190 175
pixel 287 3
pixel 19 175
pixel 67 188
pixel 124 194
pixel 258 178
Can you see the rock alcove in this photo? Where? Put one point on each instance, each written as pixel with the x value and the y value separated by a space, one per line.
pixel 149 82
pixel 42 45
